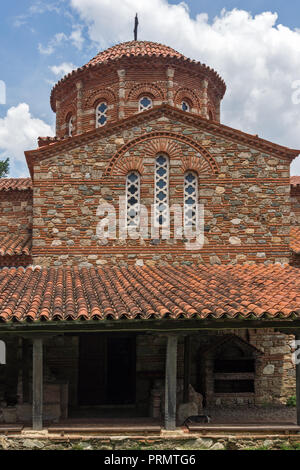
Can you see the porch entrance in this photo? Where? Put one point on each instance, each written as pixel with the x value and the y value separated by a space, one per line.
pixel 107 369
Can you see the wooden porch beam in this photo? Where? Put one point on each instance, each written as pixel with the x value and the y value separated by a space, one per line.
pixel 37 386
pixel 171 383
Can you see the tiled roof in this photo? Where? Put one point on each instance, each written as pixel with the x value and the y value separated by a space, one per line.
pixel 133 49
pixel 12 244
pixel 20 184
pixel 149 293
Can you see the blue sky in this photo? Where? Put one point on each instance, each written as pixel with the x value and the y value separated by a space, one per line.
pixel 259 59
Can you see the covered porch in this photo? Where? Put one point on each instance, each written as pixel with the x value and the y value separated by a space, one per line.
pixel 124 378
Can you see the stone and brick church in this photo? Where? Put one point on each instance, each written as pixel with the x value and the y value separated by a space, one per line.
pixel 141 326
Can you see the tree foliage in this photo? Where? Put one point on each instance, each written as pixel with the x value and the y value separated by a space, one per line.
pixel 4 168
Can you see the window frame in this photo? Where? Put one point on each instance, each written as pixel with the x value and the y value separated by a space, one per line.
pixel 99 114
pixel 138 196
pixel 141 107
pixel 157 190
pixel 186 195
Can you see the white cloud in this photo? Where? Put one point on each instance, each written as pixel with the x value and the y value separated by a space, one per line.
pixel 75 38
pixel 62 69
pixel 258 58
pixel 53 43
pixel 19 131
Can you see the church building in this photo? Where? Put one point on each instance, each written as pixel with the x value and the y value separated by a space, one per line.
pixel 150 264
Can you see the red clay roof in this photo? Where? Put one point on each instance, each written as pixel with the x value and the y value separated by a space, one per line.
pixel 20 184
pixel 134 49
pixel 14 244
pixel 149 293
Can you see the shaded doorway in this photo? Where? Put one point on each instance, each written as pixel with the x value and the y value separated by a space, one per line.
pixel 107 369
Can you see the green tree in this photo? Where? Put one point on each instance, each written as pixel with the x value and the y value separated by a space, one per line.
pixel 4 168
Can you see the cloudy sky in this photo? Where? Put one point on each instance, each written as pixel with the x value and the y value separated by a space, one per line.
pixel 253 44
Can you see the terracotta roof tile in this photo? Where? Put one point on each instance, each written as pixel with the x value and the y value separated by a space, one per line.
pixel 135 48
pixel 15 244
pixel 52 294
pixel 20 184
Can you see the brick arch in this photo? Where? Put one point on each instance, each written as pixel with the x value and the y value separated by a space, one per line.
pixel 128 164
pixel 211 109
pixel 167 142
pixel 199 165
pixel 145 89
pixel 101 94
pixel 183 93
pixel 69 111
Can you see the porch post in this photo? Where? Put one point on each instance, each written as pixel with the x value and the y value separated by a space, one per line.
pixel 297 335
pixel 187 368
pixel 170 383
pixel 37 386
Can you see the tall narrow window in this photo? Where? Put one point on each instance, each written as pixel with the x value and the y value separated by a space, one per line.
pixel 161 189
pixel 190 199
pixel 70 125
pixel 145 103
pixel 133 199
pixel 101 114
pixel 2 353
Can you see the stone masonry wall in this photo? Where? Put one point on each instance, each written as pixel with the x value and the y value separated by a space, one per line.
pixel 15 212
pixel 246 194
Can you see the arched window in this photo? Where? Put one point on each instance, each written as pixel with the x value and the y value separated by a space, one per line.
pixel 190 198
pixel 70 125
pixel 133 199
pixel 2 353
pixel 145 103
pixel 161 189
pixel 101 114
pixel 185 106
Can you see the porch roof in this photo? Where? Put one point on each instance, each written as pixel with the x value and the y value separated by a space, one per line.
pixel 188 292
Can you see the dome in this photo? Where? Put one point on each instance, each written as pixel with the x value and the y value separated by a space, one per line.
pixel 134 49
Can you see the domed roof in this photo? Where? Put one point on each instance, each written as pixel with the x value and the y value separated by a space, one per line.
pixel 133 49
pixel 139 49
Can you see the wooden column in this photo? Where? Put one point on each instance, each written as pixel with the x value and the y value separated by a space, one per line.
pixel 37 386
pixel 297 337
pixel 171 383
pixel 187 368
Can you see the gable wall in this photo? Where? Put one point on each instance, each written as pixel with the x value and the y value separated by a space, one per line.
pixel 247 204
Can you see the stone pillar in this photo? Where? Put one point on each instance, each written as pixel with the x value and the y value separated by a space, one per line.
pixel 37 385
pixel 57 118
pixel 204 112
pixel 170 85
pixel 79 86
pixel 122 82
pixel 171 383
pixel 297 337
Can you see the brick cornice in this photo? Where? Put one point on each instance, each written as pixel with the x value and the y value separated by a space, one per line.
pixel 164 110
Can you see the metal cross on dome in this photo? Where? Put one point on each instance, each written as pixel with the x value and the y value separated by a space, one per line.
pixel 136 25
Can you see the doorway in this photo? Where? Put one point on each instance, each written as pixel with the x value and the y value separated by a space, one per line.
pixel 107 369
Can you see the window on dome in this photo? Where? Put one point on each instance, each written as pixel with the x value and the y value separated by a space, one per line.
pixel 101 114
pixel 190 199
pixel 70 126
pixel 145 103
pixel 161 189
pixel 185 106
pixel 133 199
